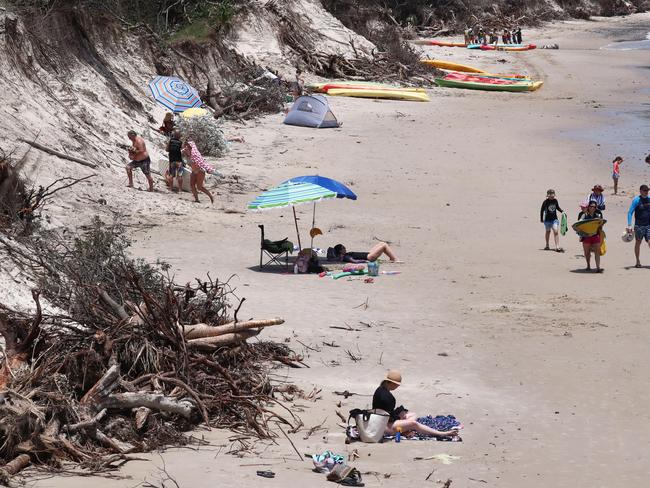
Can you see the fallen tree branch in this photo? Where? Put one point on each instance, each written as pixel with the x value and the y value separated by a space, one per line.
pixel 222 340
pixel 58 154
pixel 157 401
pixel 199 331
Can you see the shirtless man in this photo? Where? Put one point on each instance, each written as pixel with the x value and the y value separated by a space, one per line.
pixel 139 159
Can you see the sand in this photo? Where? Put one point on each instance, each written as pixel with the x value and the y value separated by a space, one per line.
pixel 545 365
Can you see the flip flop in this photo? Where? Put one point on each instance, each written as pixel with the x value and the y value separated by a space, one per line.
pixel 547 248
pixel 266 474
pixel 637 266
pixel 559 249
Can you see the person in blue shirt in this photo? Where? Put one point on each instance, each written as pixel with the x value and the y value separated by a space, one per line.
pixel 640 208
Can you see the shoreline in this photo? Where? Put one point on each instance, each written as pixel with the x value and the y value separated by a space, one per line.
pixel 536 353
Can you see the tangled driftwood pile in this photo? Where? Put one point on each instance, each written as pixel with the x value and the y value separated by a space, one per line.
pixel 123 359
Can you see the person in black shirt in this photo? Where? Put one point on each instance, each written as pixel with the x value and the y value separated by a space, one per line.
pixel 548 216
pixel 175 169
pixel 401 418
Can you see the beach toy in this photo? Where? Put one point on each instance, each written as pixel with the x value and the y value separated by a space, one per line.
pixel 373 268
pixel 588 228
pixel 349 273
pixel 628 236
pixel 315 231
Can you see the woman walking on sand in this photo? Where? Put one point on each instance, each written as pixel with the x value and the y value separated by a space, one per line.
pixel 591 243
pixel 616 172
pixel 199 168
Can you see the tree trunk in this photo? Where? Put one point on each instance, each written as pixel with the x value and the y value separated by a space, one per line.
pixel 157 401
pixel 223 340
pixel 198 331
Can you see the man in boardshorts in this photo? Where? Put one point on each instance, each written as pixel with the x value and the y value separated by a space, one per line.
pixel 139 159
pixel 640 208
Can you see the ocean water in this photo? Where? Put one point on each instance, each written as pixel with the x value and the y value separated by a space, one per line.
pixel 630 45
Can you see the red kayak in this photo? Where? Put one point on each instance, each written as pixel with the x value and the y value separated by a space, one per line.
pixel 527 47
pixel 480 79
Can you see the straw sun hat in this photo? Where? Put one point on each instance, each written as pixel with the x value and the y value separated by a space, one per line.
pixel 394 376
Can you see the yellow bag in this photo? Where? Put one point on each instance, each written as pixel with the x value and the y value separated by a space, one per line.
pixel 603 243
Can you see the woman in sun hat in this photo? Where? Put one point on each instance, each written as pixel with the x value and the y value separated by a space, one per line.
pixel 401 418
pixel 597 196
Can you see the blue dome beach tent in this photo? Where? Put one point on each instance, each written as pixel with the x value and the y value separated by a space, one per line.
pixel 311 111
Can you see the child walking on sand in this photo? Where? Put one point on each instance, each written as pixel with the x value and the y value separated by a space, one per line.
pixel 616 172
pixel 548 216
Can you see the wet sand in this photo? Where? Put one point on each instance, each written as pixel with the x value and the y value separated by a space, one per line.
pixel 545 364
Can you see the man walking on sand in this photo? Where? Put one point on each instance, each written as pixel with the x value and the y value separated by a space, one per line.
pixel 139 159
pixel 640 207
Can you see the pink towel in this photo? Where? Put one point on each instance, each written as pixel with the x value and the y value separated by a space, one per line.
pixel 197 158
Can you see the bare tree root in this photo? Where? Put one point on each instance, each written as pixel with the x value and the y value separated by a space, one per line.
pixel 109 370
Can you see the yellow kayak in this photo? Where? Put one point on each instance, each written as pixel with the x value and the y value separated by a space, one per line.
pixel 387 94
pixel 436 63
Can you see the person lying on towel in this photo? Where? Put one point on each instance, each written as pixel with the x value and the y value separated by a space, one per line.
pixel 339 253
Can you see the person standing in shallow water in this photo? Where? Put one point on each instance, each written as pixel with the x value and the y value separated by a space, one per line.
pixel 640 208
pixel 548 216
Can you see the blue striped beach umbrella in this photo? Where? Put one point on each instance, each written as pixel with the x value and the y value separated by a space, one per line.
pixel 290 194
pixel 174 94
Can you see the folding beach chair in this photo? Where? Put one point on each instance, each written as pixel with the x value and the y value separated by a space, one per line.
pixel 274 250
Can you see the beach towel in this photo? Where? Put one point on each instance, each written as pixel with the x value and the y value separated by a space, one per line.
pixel 198 159
pixel 325 462
pixel 440 422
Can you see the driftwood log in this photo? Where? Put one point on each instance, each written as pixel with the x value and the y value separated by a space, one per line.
pixel 58 154
pixel 211 343
pixel 198 331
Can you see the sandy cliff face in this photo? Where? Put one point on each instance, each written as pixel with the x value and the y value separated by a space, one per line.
pixel 76 82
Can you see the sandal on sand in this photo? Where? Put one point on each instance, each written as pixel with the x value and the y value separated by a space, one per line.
pixel 559 249
pixel 547 248
pixel 266 474
pixel 600 270
pixel 638 265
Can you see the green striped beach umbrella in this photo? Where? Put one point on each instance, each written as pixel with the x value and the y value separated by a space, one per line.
pixel 290 194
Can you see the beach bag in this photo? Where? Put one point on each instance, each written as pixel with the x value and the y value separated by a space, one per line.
pixel 603 244
pixel 564 225
pixel 371 424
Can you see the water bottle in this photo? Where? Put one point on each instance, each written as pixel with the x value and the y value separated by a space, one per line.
pixel 295 268
pixel 398 435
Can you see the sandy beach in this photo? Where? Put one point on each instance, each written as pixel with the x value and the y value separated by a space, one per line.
pixel 545 365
